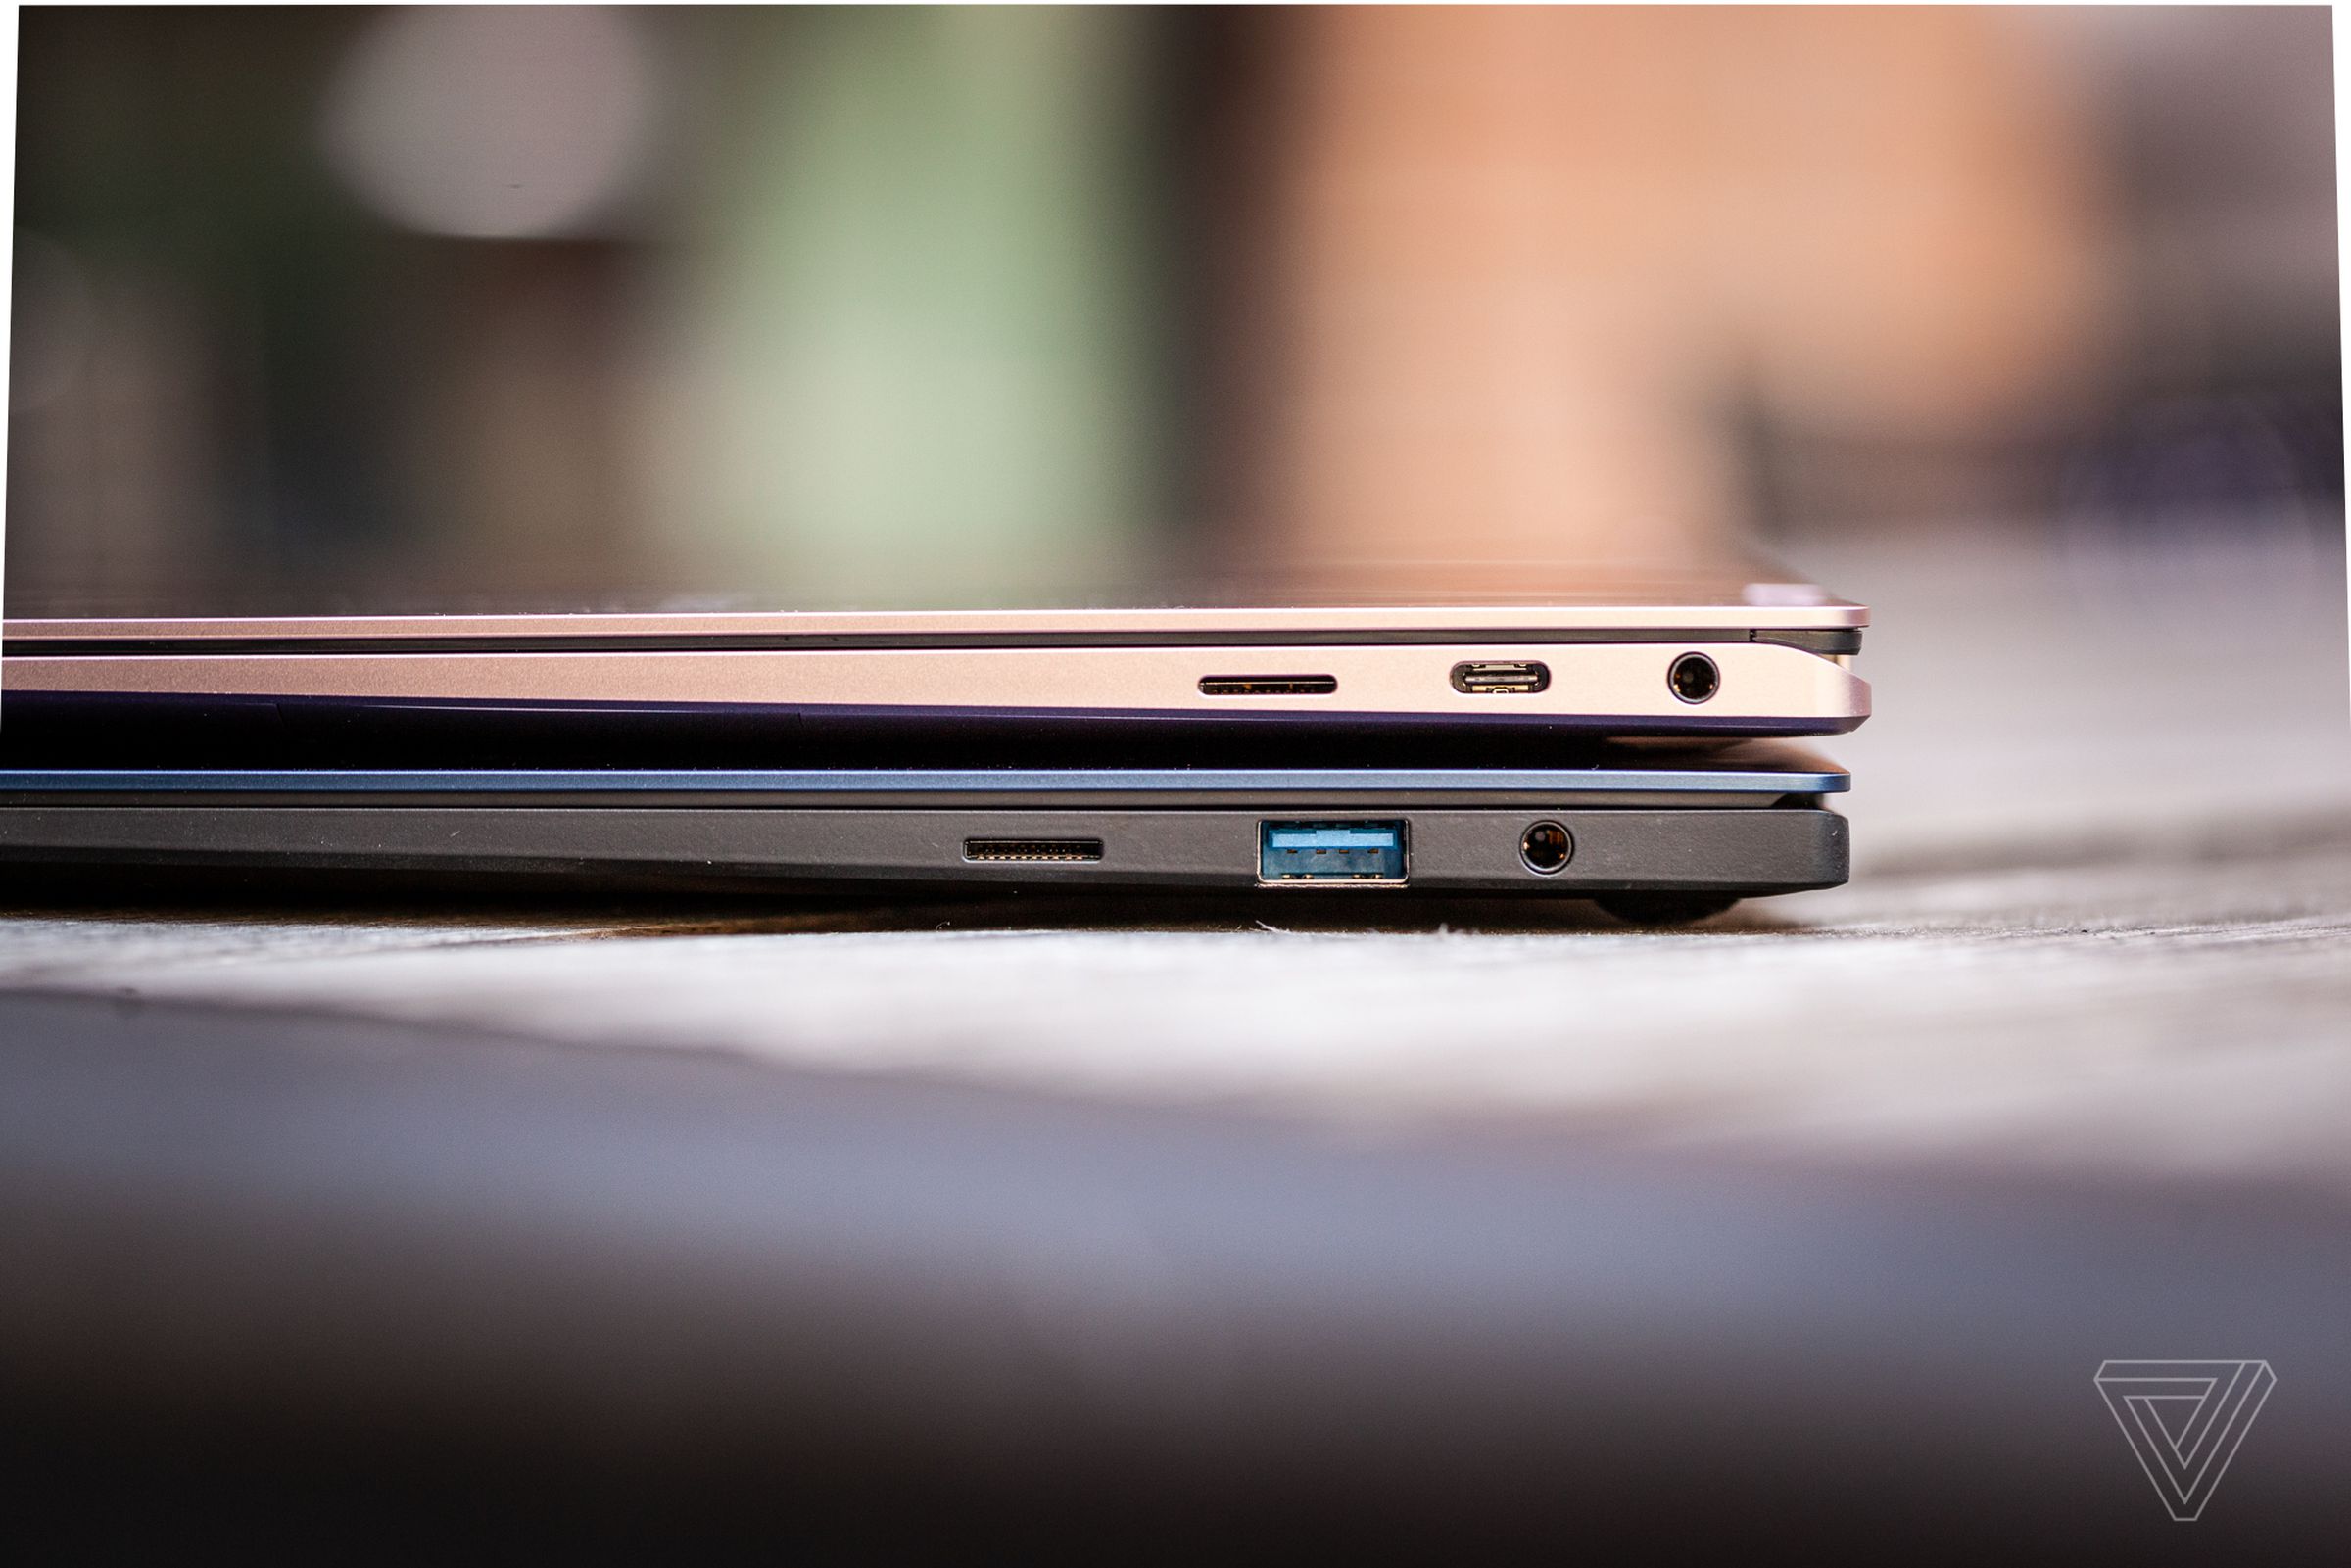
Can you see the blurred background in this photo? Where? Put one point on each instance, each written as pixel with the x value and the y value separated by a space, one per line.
pixel 2020 326
pixel 333 307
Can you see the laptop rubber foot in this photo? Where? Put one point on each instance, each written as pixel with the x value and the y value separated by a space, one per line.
pixel 1665 909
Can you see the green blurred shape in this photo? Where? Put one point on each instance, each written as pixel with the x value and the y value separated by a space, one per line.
pixel 922 301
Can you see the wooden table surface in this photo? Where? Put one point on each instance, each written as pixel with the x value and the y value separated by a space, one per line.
pixel 2098 941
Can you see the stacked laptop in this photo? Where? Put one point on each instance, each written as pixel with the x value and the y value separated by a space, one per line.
pixel 1627 738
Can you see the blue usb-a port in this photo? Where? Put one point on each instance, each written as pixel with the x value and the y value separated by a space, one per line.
pixel 1330 852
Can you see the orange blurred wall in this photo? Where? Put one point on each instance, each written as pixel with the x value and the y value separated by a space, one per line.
pixel 1524 260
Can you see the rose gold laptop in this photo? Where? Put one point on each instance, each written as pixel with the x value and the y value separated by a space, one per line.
pixel 1737 649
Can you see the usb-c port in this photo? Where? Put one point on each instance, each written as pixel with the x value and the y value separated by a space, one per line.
pixel 1501 676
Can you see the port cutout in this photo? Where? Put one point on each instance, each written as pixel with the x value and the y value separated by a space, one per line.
pixel 1331 853
pixel 1040 851
pixel 1547 849
pixel 1694 677
pixel 1501 676
pixel 1267 685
